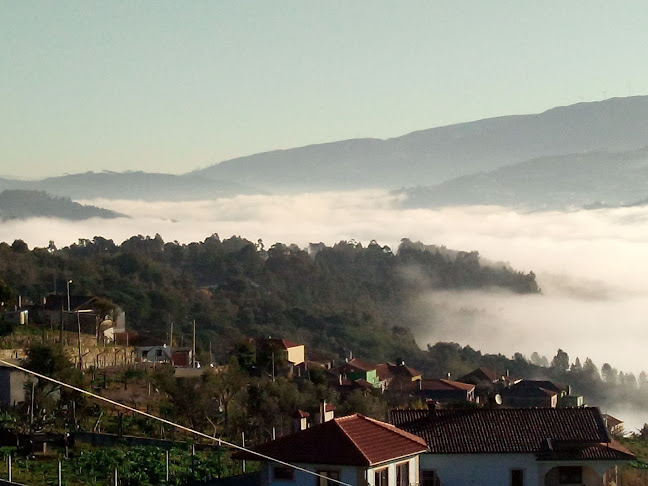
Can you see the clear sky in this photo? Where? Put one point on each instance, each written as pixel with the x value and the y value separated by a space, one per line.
pixel 171 86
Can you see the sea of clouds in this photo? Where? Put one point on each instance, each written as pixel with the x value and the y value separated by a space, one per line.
pixel 592 265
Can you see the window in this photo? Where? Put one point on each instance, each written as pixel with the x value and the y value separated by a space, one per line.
pixel 402 474
pixel 328 474
pixel 381 477
pixel 517 477
pixel 429 478
pixel 283 473
pixel 570 475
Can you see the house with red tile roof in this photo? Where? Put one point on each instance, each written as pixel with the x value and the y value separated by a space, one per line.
pixel 534 393
pixel 488 383
pixel 397 374
pixel 445 391
pixel 355 450
pixel 516 447
pixel 292 352
pixel 356 369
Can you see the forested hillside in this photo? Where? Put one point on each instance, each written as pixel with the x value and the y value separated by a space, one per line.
pixel 23 204
pixel 338 299
pixel 333 299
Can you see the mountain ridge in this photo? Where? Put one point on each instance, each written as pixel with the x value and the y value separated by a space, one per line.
pixel 426 157
pixel 433 155
pixel 24 204
pixel 589 180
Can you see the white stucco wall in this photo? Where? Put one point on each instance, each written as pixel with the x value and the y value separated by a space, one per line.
pixel 481 469
pixel 348 474
pixel 495 469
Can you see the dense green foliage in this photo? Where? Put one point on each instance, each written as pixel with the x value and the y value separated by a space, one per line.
pixel 333 299
pixel 136 466
pixel 329 298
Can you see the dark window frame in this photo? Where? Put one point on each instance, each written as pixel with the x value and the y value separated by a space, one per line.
pixel 380 473
pixel 570 475
pixel 330 473
pixel 289 476
pixel 517 477
pixel 399 473
pixel 432 478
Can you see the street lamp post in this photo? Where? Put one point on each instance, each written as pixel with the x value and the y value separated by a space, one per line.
pixel 77 312
pixel 68 294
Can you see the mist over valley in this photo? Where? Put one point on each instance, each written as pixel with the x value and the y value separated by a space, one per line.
pixel 560 194
pixel 590 265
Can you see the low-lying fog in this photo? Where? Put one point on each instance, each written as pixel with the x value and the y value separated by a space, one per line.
pixel 592 265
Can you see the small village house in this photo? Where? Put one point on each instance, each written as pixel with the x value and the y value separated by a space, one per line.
pixel 355 369
pixel 12 385
pixel 356 450
pixel 515 447
pixel 445 391
pixel 534 393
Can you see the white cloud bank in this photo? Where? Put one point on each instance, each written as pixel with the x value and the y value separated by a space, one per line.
pixel 592 265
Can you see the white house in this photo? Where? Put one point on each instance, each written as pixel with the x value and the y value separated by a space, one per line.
pixel 12 385
pixel 515 447
pixel 355 450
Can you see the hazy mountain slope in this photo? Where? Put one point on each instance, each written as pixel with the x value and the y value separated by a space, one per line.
pixel 605 178
pixel 22 204
pixel 432 156
pixel 131 185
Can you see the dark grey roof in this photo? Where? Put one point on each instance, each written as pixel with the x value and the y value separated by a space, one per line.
pixel 522 430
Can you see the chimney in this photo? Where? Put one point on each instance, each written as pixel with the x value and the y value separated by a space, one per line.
pixel 448 375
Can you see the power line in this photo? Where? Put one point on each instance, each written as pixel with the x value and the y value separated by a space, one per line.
pixel 168 422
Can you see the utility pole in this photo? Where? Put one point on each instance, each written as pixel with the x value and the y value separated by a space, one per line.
pixel 243 444
pixel 31 409
pixel 273 367
pixel 193 351
pixel 79 339
pixel 171 343
pixel 68 293
pixel 61 331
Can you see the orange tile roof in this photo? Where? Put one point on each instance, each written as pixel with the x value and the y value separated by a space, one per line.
pixel 481 374
pixel 383 372
pixel 357 364
pixel 603 451
pixel 354 440
pixel 440 384
pixel 284 343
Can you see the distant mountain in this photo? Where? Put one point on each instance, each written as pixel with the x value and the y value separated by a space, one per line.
pixel 131 185
pixel 22 204
pixel 566 139
pixel 432 156
pixel 592 180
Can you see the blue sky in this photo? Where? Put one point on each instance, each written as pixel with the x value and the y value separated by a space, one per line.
pixel 172 86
